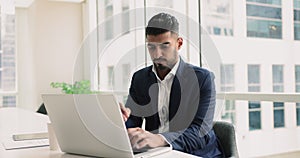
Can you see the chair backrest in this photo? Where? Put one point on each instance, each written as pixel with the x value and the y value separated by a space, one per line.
pixel 226 134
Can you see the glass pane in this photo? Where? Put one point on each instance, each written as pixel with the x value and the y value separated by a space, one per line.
pixel 264 28
pixel 9 101
pixel 297 15
pixel 262 11
pixel 278 104
pixel 277 73
pixel 227 74
pixel 125 16
pixel 297 4
pixel 254 104
pixel 297 88
pixel 109 24
pixel 229 105
pixel 254 120
pixel 217 31
pixel 297 31
pixel 278 118
pixel 298 115
pixel 126 76
pixel 110 75
pixel 229 116
pixel 253 88
pixel 278 88
pixel 297 73
pixel 253 74
pixel 277 2
pixel 0 79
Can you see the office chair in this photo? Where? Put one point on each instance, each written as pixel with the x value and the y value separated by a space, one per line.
pixel 226 134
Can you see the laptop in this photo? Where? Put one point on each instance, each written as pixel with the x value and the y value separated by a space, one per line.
pixel 91 124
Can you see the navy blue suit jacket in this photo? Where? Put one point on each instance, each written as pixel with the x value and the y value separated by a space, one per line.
pixel 191 108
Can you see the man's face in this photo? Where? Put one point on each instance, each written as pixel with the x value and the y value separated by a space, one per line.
pixel 163 49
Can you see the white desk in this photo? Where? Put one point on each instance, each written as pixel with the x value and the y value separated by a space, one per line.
pixel 16 121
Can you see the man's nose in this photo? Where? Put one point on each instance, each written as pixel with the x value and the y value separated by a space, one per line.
pixel 157 53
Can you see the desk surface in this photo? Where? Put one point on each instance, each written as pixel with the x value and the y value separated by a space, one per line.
pixel 17 121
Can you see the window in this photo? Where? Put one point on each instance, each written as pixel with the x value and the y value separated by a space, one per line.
pixel 278 114
pixel 125 76
pixel 296 19
pixel 218 16
pixel 297 88
pixel 110 75
pixel 7 60
pixel 109 26
pixel 227 78
pixel 227 85
pixel 228 114
pixel 253 78
pixel 125 17
pixel 264 18
pixel 278 87
pixel 254 115
pixel 277 78
pixel 254 106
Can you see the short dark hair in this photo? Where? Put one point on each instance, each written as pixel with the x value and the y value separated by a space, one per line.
pixel 162 23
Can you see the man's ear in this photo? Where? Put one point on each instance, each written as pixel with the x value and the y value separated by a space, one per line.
pixel 179 42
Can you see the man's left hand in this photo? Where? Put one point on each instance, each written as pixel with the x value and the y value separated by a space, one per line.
pixel 140 138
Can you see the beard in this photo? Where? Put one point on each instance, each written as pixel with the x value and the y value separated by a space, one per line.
pixel 161 67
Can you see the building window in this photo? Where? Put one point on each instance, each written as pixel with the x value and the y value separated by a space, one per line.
pixel 109 26
pixel 298 113
pixel 253 78
pixel 264 18
pixel 297 88
pixel 227 78
pixel 278 114
pixel 254 115
pixel 254 106
pixel 110 75
pixel 218 16
pixel 277 73
pixel 9 101
pixel 125 16
pixel 277 78
pixel 297 19
pixel 227 85
pixel 7 59
pixel 125 76
pixel 228 114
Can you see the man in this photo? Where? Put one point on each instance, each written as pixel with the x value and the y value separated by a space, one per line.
pixel 176 99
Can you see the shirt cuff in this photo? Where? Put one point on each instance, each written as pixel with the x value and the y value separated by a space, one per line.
pixel 169 144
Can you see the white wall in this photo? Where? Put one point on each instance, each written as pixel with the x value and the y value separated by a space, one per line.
pixel 49 35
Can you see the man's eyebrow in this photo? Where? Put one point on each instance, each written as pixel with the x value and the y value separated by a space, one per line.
pixel 166 43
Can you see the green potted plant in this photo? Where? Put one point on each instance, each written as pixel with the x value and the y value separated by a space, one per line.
pixel 79 87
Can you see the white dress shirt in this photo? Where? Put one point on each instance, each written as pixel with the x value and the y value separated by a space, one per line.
pixel 164 91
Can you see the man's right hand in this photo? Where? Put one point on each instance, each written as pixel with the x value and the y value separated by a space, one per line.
pixel 125 112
